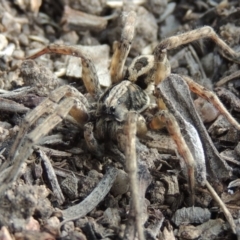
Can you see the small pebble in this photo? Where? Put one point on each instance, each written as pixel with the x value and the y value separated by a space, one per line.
pixel 8 51
pixel 19 54
pixel 121 184
pixel 206 110
pixel 23 39
pixel 3 42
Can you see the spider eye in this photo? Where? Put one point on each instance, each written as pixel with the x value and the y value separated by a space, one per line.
pixel 112 110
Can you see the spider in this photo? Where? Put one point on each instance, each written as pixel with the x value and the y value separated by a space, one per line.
pixel 117 101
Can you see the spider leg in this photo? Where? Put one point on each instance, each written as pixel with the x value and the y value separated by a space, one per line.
pixel 89 73
pixel 187 155
pixel 174 130
pixel 140 66
pixel 211 97
pixel 225 210
pixel 22 147
pixel 48 106
pixel 163 69
pixel 135 213
pixel 91 141
pixel 200 33
pixel 122 48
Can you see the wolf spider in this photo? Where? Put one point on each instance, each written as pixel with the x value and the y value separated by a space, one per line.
pixel 118 100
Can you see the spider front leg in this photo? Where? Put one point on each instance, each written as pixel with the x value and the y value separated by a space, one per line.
pixel 74 104
pixel 89 73
pixel 200 33
pixel 122 48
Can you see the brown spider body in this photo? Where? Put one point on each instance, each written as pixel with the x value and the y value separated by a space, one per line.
pixel 125 96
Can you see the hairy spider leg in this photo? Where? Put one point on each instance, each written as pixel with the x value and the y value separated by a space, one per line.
pixel 74 104
pixel 122 48
pixel 89 73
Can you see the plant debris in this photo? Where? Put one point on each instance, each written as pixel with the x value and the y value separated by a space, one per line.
pixel 68 190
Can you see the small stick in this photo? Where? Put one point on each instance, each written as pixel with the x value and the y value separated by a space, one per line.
pixel 77 20
pixel 226 79
pixel 12 106
pixel 92 200
pixel 52 177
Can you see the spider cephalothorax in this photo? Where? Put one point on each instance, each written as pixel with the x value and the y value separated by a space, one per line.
pixel 121 98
